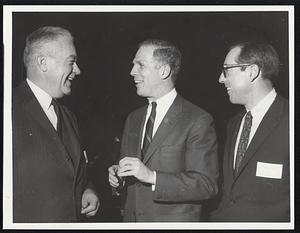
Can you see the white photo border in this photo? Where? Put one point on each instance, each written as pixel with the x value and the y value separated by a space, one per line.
pixel 7 125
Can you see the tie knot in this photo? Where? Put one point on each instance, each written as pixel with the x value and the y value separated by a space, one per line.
pixel 56 107
pixel 248 116
pixel 154 104
pixel 54 103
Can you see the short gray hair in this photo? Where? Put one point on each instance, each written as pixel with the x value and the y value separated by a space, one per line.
pixel 36 40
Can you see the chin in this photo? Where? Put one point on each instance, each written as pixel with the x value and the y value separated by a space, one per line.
pixel 67 92
pixel 232 100
pixel 140 93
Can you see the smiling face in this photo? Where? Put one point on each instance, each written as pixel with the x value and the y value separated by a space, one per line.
pixel 61 67
pixel 146 73
pixel 237 80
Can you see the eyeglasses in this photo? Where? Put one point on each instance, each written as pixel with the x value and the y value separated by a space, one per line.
pixel 227 67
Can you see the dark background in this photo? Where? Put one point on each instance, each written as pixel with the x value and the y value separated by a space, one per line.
pixel 104 93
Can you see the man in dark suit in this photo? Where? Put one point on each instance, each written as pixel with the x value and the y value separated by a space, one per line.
pixel 49 183
pixel 256 170
pixel 169 148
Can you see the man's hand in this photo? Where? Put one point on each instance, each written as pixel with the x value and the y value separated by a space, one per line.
pixel 112 178
pixel 132 166
pixel 89 203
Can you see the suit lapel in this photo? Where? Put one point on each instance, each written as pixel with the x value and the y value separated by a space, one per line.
pixel 35 110
pixel 71 139
pixel 267 125
pixel 135 133
pixel 165 126
pixel 141 121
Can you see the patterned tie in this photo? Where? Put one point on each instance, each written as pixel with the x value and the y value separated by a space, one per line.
pixel 149 130
pixel 242 147
pixel 58 115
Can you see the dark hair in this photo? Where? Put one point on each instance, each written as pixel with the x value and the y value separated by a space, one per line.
pixel 262 54
pixel 165 53
pixel 36 40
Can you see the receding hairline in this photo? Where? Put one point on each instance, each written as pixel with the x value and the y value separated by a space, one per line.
pixel 37 40
pixel 48 46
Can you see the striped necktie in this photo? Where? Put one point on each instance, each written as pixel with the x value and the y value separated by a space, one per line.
pixel 149 129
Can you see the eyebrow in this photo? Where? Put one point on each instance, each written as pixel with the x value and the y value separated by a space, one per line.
pixel 140 62
pixel 74 57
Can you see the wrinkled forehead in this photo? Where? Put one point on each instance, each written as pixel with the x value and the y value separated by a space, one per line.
pixel 232 55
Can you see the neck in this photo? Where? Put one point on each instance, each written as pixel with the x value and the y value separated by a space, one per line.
pixel 160 93
pixel 258 93
pixel 38 80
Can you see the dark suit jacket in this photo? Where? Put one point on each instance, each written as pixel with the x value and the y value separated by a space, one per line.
pixel 48 176
pixel 183 153
pixel 248 197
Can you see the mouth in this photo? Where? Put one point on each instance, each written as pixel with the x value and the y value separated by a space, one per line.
pixel 71 78
pixel 228 89
pixel 137 82
pixel 68 81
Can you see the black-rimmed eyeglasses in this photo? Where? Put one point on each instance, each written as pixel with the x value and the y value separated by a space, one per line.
pixel 227 67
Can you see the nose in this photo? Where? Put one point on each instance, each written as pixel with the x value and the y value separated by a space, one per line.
pixel 76 69
pixel 222 78
pixel 133 70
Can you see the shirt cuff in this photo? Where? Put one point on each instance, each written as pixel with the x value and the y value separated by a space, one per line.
pixel 153 186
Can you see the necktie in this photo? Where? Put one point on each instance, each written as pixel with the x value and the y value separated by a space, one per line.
pixel 242 146
pixel 63 134
pixel 149 129
pixel 58 115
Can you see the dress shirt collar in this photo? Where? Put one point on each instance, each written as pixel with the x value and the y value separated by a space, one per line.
pixel 167 99
pixel 262 107
pixel 43 97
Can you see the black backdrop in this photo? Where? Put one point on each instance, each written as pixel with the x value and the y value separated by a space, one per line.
pixel 106 43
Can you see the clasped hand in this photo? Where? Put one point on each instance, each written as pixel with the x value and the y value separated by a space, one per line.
pixel 130 166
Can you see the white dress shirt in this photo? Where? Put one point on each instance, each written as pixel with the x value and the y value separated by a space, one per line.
pixel 163 105
pixel 45 101
pixel 257 112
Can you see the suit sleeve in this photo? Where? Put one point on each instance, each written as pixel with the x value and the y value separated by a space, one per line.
pixel 198 181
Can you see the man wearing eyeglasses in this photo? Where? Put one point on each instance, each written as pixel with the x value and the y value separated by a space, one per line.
pixel 256 158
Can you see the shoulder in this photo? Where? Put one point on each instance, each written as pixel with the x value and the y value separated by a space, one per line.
pixel 21 94
pixel 282 103
pixel 194 111
pixel 138 112
pixel 22 97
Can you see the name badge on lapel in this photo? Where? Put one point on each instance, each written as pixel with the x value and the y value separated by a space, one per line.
pixel 269 170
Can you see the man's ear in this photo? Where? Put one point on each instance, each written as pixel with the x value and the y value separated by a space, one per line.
pixel 41 61
pixel 254 72
pixel 165 71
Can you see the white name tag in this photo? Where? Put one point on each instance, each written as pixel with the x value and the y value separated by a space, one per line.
pixel 269 170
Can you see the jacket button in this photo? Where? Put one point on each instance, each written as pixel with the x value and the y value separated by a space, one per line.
pixel 67 158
